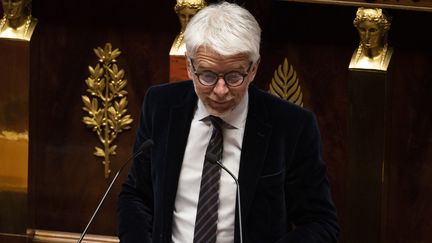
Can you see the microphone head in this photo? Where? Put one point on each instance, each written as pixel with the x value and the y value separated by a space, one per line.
pixel 211 158
pixel 146 145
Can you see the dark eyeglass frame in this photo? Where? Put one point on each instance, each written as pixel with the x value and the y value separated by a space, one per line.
pixel 218 76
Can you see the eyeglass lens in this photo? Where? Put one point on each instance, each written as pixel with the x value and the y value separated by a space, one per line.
pixel 231 78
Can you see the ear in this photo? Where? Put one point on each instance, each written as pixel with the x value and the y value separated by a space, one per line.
pixel 189 68
pixel 255 68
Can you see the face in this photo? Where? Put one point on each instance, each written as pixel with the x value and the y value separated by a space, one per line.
pixel 13 9
pixel 184 15
pixel 371 34
pixel 219 99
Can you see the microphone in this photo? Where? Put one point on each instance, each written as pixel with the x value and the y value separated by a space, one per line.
pixel 144 146
pixel 213 159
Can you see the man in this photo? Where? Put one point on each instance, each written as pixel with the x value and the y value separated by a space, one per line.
pixel 272 146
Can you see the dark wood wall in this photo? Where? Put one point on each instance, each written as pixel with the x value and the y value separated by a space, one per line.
pixel 66 181
pixel 319 41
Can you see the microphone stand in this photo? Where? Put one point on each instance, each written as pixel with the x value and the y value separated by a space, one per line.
pixel 145 145
pixel 213 159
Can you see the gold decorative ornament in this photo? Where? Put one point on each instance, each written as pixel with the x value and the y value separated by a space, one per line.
pixel 373 51
pixel 14 136
pixel 185 10
pixel 106 105
pixel 195 4
pixel 26 26
pixel 285 84
pixel 17 21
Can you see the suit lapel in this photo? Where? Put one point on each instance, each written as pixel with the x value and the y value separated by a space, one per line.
pixel 178 131
pixel 254 149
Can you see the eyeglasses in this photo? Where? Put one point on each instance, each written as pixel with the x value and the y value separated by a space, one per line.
pixel 209 78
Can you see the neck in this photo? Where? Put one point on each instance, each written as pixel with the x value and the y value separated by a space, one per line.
pixel 373 52
pixel 375 55
pixel 16 27
pixel 15 23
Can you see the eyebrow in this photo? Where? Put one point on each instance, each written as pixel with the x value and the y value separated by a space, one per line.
pixel 239 68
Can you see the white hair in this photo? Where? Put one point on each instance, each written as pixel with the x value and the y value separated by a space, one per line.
pixel 226 28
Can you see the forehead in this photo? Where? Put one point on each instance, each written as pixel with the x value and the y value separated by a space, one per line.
pixel 206 56
pixel 188 11
pixel 369 25
pixel 12 1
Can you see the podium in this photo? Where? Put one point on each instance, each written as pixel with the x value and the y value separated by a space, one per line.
pixel 177 68
pixel 367 167
pixel 14 128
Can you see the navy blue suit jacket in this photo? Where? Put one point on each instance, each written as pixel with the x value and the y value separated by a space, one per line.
pixel 285 194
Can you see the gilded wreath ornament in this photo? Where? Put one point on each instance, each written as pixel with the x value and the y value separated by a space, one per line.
pixel 106 102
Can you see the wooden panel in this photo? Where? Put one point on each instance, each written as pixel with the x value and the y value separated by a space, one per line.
pixel 178 70
pixel 14 114
pixel 320 56
pixel 12 238
pixel 410 148
pixel 320 51
pixel 46 236
pixel 367 164
pixel 14 126
pixel 67 181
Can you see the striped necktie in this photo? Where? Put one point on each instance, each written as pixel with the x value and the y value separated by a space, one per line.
pixel 208 202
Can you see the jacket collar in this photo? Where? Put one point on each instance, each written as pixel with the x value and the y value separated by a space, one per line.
pixel 254 148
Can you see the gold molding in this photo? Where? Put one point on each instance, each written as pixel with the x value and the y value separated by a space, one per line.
pixel 382 4
pixel 47 236
pixel 106 105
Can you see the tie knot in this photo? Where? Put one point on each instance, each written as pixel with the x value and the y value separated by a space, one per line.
pixel 216 122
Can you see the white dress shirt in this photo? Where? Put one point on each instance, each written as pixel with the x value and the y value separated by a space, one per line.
pixel 186 201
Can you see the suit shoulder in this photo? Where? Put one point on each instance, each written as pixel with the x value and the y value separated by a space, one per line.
pixel 168 88
pixel 170 92
pixel 282 115
pixel 280 106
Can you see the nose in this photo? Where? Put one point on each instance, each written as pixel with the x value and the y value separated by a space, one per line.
pixel 220 88
pixel 367 35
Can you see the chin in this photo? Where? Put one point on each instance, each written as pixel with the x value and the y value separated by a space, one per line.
pixel 218 113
